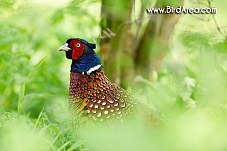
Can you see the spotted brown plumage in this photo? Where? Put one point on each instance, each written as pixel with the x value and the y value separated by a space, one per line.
pixel 93 98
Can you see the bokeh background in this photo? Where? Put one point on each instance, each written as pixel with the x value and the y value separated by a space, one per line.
pixel 175 64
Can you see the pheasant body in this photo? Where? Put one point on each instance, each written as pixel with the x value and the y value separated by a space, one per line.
pixel 94 98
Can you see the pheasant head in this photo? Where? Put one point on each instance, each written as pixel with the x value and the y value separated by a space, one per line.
pixel 82 54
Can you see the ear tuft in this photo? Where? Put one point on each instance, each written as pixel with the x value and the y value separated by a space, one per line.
pixel 93 46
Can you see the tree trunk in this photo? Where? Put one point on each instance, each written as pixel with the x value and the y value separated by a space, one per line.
pixel 153 45
pixel 114 15
pixel 124 51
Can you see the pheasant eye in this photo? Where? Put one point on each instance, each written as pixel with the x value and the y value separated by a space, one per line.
pixel 78 45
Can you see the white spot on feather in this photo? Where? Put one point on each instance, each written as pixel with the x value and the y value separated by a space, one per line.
pixel 91 105
pixel 123 105
pixel 105 112
pixel 116 104
pixel 99 115
pixel 111 101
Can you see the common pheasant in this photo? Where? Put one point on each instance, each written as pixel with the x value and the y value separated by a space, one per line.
pixel 92 96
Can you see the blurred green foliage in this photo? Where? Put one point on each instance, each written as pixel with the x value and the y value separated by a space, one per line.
pixel 190 94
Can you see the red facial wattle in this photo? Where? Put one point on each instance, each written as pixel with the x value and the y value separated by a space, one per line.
pixel 77 51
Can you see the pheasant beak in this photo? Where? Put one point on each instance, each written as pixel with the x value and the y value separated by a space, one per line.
pixel 64 47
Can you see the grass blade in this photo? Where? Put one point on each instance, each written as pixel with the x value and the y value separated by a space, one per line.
pixel 37 121
pixel 21 97
pixel 64 145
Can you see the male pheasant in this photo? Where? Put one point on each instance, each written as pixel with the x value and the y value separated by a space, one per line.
pixel 92 97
